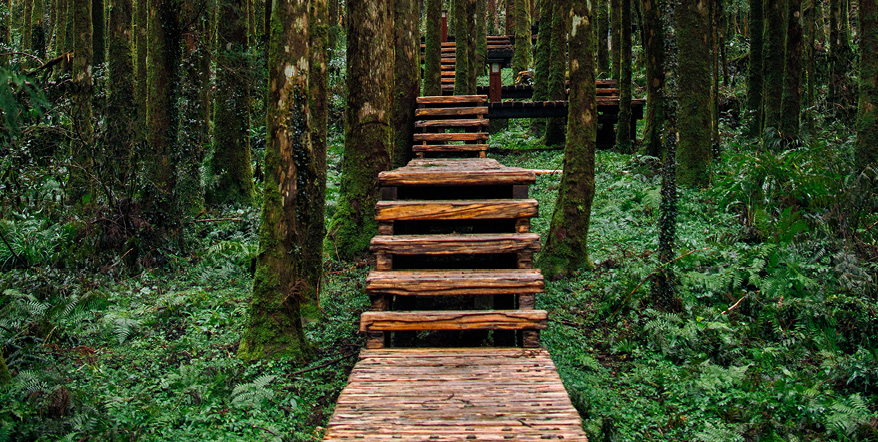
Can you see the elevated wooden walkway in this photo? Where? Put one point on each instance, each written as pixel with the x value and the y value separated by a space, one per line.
pixel 454 265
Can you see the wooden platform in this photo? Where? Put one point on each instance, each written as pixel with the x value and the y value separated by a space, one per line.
pixel 436 395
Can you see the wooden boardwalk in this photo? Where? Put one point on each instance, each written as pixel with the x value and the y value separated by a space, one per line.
pixel 454 255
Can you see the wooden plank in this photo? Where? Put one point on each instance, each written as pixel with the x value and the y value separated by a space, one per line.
pixel 437 99
pixel 456 172
pixel 452 244
pixel 455 209
pixel 430 124
pixel 454 320
pixel 468 282
pixel 467 136
pixel 450 112
pixel 450 147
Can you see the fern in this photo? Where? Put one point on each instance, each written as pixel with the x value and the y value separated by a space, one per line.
pixel 253 394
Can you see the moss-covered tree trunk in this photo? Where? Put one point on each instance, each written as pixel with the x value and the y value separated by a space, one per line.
pixel 38 29
pixel 368 132
pixel 141 43
pixel 472 48
pixel 406 78
pixel 791 103
pixel 99 26
pixel 774 63
pixel 809 31
pixel 522 58
pixel 623 127
pixel 603 31
pixel 542 59
pixel 693 152
pixel 557 88
pixel 755 79
pixel 820 20
pixel 274 323
pixel 26 28
pixel 654 48
pixel 81 172
pixel 5 29
pixel 60 27
pixel 432 52
pixel 566 247
pixel 840 58
pixel 121 107
pixel 461 51
pixel 481 36
pixel 866 150
pixel 615 37
pixel 230 164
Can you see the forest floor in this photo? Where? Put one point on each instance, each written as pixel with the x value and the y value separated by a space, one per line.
pixel 775 338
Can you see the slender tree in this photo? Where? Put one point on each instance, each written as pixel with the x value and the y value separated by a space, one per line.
pixel 866 150
pixel 755 79
pixel 368 133
pixel 141 42
pixel 693 152
pixel 231 112
pixel 542 59
pixel 566 247
pixel 432 51
pixel 557 88
pixel 653 45
pixel 616 36
pixel 603 32
pixel 839 57
pixel 481 37
pixel 80 184
pixel 809 30
pixel 791 102
pixel 27 29
pixel 623 127
pixel 274 323
pixel 406 78
pixel 472 47
pixel 774 62
pixel 38 29
pixel 60 26
pixel 99 27
pixel 522 59
pixel 5 30
pixel 121 107
pixel 461 49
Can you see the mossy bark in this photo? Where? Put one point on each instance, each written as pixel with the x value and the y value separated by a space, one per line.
pixel 274 325
pixel 99 27
pixel 615 37
pixel 481 36
pixel 693 57
pixel 5 28
pixel 623 127
pixel 141 37
pixel 60 27
pixel 566 248
pixel 839 59
pixel 542 60
pixel 406 78
pixel 557 88
pixel 230 165
pixel 809 31
pixel 866 150
pixel 38 29
pixel 791 102
pixel 755 79
pixel 654 47
pixel 472 46
pixel 432 52
pixel 820 19
pixel 603 32
pixel 27 29
pixel 461 51
pixel 81 179
pixel 774 62
pixel 121 107
pixel 368 132
pixel 522 58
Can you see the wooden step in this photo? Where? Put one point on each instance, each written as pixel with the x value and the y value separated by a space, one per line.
pixel 462 282
pixel 451 112
pixel 442 137
pixel 456 172
pixel 450 147
pixel 455 244
pixel 446 80
pixel 455 209
pixel 454 320
pixel 446 74
pixel 454 99
pixel 449 124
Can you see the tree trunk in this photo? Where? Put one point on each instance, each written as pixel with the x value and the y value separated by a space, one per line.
pixel 791 103
pixel 542 60
pixel 5 29
pixel 810 31
pixel 522 59
pixel 866 150
pixel 368 132
pixel 38 29
pixel 406 78
pixel 481 39
pixel 121 107
pixel 557 88
pixel 693 152
pixel 603 32
pixel 755 79
pixel 141 37
pixel 654 47
pixel 566 247
pixel 231 112
pixel 99 25
pixel 432 52
pixel 615 34
pixel 623 127
pixel 472 46
pixel 274 324
pixel 60 26
pixel 27 29
pixel 461 53
pixel 839 59
pixel 81 181
pixel 774 62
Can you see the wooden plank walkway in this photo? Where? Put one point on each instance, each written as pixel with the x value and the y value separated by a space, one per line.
pixel 480 394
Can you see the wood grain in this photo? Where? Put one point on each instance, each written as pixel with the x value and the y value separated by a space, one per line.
pixel 476 136
pixel 462 282
pixel 425 124
pixel 456 244
pixel 454 320
pixel 455 209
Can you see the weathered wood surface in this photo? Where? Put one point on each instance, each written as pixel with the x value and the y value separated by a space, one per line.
pixel 454 320
pixel 451 111
pixel 473 136
pixel 456 172
pixel 455 209
pixel 450 147
pixel 450 124
pixel 479 243
pixel 439 99
pixel 480 394
pixel 460 282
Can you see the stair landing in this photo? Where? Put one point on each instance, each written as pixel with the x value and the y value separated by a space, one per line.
pixel 429 394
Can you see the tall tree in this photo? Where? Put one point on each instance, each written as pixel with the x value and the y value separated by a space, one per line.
pixel 432 51
pixel 557 88
pixel 809 30
pixel 60 26
pixel 522 58
pixel 603 31
pixel 141 42
pixel 791 102
pixel 99 27
pixel 406 78
pixel 654 47
pixel 274 324
pixel 566 247
pixel 481 36
pixel 368 132
pixel 461 48
pixel 623 127
pixel 472 45
pixel 231 112
pixel 866 150
pixel 755 79
pixel 839 57
pixel 542 59
pixel 5 29
pixel 121 107
pixel 38 29
pixel 80 174
pixel 615 37
pixel 693 152
pixel 27 30
pixel 773 64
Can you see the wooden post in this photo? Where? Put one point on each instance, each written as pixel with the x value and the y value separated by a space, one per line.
pixel 495 89
pixel 444 27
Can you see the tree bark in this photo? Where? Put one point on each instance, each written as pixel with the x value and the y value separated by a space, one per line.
pixel 141 37
pixel 566 247
pixel 368 133
pixel 557 88
pixel 481 27
pixel 615 35
pixel 603 32
pixel 5 29
pixel 791 102
pixel 121 107
pixel 432 52
pixel 755 79
pixel 774 62
pixel 522 59
pixel 654 47
pixel 60 27
pixel 866 150
pixel 809 20
pixel 623 127
pixel 839 58
pixel 274 324
pixel 99 26
pixel 38 29
pixel 542 60
pixel 27 29
pixel 693 152
pixel 461 51
pixel 406 78
pixel 81 182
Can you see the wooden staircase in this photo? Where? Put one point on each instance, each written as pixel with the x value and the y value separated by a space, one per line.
pixel 452 125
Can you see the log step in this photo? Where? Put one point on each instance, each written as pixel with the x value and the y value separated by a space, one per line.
pixel 456 172
pixel 447 80
pixel 454 320
pixel 455 209
pixel 463 282
pixel 444 124
pixel 450 148
pixel 451 112
pixel 455 99
pixel 455 244
pixel 476 136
